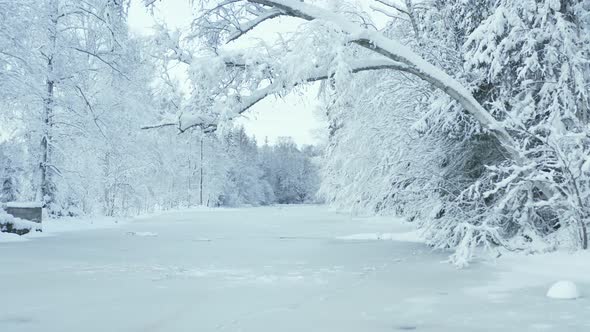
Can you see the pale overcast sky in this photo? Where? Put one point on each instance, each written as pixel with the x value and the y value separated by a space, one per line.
pixel 294 116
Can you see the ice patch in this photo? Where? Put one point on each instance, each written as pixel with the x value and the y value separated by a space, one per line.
pixel 202 240
pixel 143 234
pixel 412 236
pixel 542 326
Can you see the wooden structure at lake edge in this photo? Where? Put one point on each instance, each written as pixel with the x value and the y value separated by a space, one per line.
pixel 26 211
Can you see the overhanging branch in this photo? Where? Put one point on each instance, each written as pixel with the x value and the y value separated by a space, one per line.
pixel 247 102
pixel 393 50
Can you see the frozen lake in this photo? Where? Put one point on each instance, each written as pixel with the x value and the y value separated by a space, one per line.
pixel 265 269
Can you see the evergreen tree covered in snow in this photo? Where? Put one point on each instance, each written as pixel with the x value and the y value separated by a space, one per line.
pixel 529 61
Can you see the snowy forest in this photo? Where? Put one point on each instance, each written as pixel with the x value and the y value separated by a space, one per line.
pixel 76 89
pixel 444 187
pixel 469 119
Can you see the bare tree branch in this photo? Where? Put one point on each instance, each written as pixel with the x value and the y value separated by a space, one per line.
pixel 245 28
pixel 103 61
pixel 387 13
pixel 393 5
pixel 206 128
pixel 91 109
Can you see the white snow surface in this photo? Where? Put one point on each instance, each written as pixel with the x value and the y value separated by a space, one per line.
pixel 563 290
pixel 272 269
pixel 10 237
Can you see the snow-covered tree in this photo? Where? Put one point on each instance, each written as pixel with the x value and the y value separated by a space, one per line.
pixel 529 60
pixel 290 172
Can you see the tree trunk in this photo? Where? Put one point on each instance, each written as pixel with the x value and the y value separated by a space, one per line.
pixel 584 234
pixel 201 177
pixel 412 15
pixel 46 192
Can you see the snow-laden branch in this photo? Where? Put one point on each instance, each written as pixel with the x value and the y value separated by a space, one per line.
pixel 377 42
pixel 243 103
pixel 246 27
pixel 316 75
pixel 101 59
pixel 400 58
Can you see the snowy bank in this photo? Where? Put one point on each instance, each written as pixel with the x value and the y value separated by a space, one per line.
pixel 52 227
pixel 556 275
pixel 563 290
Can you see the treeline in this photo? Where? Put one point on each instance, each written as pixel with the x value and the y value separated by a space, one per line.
pixel 236 171
pixel 213 170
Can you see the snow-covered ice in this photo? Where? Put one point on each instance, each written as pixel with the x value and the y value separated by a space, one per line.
pixel 10 237
pixel 412 236
pixel 272 269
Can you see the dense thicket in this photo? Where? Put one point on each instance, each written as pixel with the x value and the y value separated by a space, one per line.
pixel 527 63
